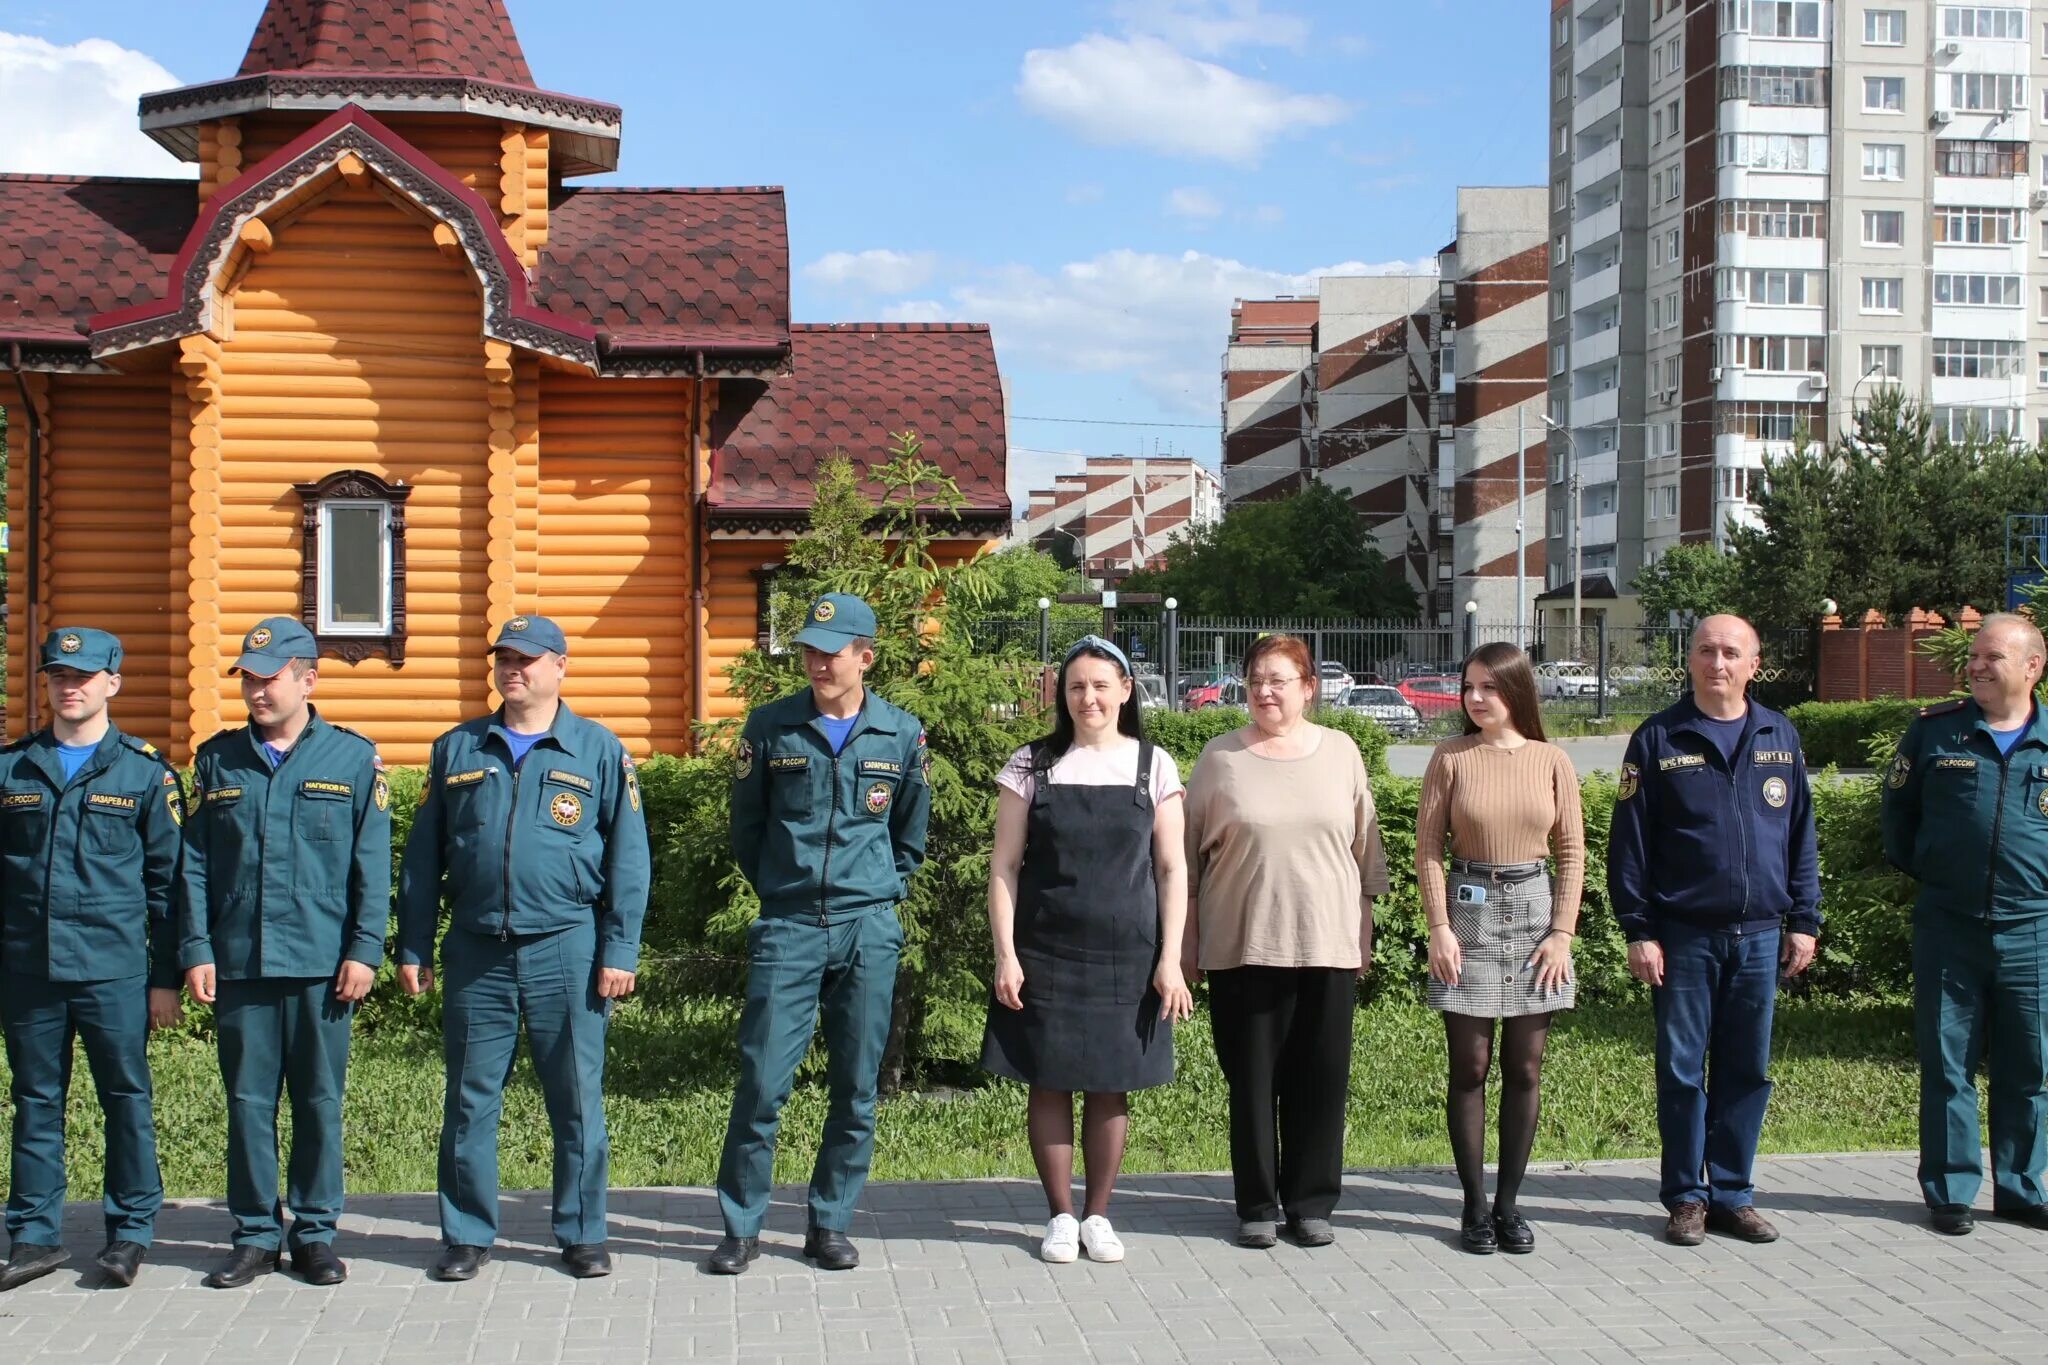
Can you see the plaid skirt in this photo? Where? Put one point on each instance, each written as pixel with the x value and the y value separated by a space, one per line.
pixel 1496 937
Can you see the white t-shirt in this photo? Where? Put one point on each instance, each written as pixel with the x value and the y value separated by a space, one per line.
pixel 1079 767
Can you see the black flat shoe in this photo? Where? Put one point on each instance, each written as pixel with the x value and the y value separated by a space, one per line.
pixel 1952 1220
pixel 830 1249
pixel 30 1261
pixel 587 1260
pixel 1477 1236
pixel 120 1261
pixel 1513 1233
pixel 460 1262
pixel 243 1265
pixel 733 1255
pixel 317 1264
pixel 2034 1216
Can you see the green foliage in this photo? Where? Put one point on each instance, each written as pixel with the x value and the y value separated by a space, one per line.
pixel 1841 732
pixel 1950 646
pixel 1307 555
pixel 1866 944
pixel 1013 580
pixel 1688 582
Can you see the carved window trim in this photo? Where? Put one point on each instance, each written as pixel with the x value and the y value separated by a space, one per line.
pixel 353 485
pixel 765 637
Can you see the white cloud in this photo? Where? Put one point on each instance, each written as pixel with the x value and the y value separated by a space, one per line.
pixel 877 271
pixel 1159 319
pixel 1141 91
pixel 1212 26
pixel 1031 469
pixel 1191 201
pixel 71 110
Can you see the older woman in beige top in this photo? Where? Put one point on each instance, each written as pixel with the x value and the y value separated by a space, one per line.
pixel 1283 861
pixel 1500 931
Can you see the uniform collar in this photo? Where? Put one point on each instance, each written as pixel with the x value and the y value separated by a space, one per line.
pixel 42 752
pixel 256 740
pixel 874 714
pixel 2035 731
pixel 562 732
pixel 1692 719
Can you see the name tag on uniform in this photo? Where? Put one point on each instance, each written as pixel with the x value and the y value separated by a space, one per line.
pixel 110 801
pixel 1677 761
pixel 464 779
pixel 788 763
pixel 1772 756
pixel 215 795
pixel 319 788
pixel 1967 764
pixel 571 780
pixel 20 800
pixel 872 766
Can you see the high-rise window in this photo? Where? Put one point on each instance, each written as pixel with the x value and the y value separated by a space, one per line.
pixel 1977 291
pixel 1773 355
pixel 1884 27
pixel 1987 423
pixel 1776 218
pixel 1986 92
pixel 1882 293
pixel 1882 362
pixel 1977 358
pixel 1771 18
pixel 1977 227
pixel 1775 151
pixel 1884 94
pixel 1984 21
pixel 1778 288
pixel 1883 227
pixel 1884 161
pixel 1978 159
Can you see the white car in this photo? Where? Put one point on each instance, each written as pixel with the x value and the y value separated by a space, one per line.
pixel 1151 691
pixel 1335 681
pixel 1568 679
pixel 1385 705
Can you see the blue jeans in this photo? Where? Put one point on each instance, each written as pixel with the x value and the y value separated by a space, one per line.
pixel 1713 1060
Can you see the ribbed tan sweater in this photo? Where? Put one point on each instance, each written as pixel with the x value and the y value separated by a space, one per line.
pixel 1501 806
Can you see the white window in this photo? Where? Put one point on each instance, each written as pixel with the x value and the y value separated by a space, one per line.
pixel 1773 355
pixel 1775 151
pixel 1564 138
pixel 2044 303
pixel 1986 92
pixel 1557 304
pixel 1560 193
pixel 1882 293
pixel 1557 358
pixel 355 568
pixel 1656 315
pixel 1772 18
pixel 1884 27
pixel 1885 227
pixel 1557 250
pixel 1882 362
pixel 1656 187
pixel 1656 125
pixel 1884 161
pixel 1975 358
pixel 1670 501
pixel 1671 249
pixel 1671 183
pixel 1977 227
pixel 1984 21
pixel 1671 117
pixel 1778 288
pixel 1989 423
pixel 1977 291
pixel 1563 28
pixel 2041 368
pixel 1671 369
pixel 1884 94
pixel 1671 307
pixel 1674 54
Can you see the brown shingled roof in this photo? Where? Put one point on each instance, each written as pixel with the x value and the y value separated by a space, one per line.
pixel 436 37
pixel 854 386
pixel 80 245
pixel 659 268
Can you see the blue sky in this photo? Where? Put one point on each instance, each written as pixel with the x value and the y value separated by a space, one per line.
pixel 1096 178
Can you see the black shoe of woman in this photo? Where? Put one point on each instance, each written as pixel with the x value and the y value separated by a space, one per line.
pixel 1513 1233
pixel 1477 1236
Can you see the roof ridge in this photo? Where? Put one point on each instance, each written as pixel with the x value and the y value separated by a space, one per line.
pixel 672 189
pixel 46 178
pixel 852 327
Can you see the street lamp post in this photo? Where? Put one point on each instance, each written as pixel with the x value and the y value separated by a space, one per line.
pixel 1471 621
pixel 1571 450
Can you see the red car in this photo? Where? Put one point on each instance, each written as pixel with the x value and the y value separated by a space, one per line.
pixel 1432 696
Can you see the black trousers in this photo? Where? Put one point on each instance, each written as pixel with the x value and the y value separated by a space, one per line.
pixel 1283 1037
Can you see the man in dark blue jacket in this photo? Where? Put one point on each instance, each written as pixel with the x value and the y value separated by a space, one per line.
pixel 1715 877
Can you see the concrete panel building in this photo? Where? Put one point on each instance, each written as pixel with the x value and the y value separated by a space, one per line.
pixel 1118 514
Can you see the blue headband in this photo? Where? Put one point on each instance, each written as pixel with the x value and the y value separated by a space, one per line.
pixel 1098 643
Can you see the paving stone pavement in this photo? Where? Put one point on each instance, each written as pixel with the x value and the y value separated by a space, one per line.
pixel 951 1275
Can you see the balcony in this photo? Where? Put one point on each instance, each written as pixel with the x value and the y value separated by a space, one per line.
pixel 1596 287
pixel 1597 349
pixel 1605 42
pixel 1603 103
pixel 1597 529
pixel 1597 227
pixel 1594 409
pixel 1595 167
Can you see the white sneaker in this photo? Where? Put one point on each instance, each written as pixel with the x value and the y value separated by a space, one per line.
pixel 1062 1240
pixel 1101 1240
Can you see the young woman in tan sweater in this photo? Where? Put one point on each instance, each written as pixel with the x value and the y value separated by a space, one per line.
pixel 1500 926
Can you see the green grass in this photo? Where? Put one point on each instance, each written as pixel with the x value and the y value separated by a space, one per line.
pixel 1844 1071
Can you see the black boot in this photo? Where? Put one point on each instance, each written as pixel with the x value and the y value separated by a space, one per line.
pixel 30 1261
pixel 120 1261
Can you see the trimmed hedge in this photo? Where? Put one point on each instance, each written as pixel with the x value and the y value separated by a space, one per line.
pixel 1842 732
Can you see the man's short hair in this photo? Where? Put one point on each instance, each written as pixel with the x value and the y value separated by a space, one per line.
pixel 2029 633
pixel 301 667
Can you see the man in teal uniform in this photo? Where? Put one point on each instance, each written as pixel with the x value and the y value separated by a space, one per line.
pixel 88 857
pixel 829 804
pixel 531 822
pixel 1966 812
pixel 286 897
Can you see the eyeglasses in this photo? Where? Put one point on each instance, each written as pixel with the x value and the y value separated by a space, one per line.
pixel 1271 684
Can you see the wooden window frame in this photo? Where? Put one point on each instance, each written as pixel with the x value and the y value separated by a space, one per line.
pixel 353 485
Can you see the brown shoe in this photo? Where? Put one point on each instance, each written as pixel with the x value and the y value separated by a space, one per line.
pixel 1687 1226
pixel 1744 1224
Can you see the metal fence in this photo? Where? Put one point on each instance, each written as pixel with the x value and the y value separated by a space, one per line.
pixel 1592 672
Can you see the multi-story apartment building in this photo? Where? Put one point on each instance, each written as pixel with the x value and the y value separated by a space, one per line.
pixel 1761 210
pixel 1117 514
pixel 1411 394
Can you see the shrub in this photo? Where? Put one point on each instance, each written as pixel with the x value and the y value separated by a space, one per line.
pixel 1842 732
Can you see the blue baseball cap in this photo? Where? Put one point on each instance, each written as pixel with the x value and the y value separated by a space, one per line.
pixel 82 648
pixel 532 636
pixel 274 642
pixel 835 621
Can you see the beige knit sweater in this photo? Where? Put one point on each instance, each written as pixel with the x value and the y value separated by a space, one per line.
pixel 1500 806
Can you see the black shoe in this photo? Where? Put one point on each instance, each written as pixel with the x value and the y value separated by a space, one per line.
pixel 2034 1216
pixel 733 1255
pixel 317 1264
pixel 1953 1220
pixel 1477 1236
pixel 1260 1234
pixel 1311 1232
pixel 830 1249
pixel 587 1260
pixel 120 1261
pixel 29 1261
pixel 459 1262
pixel 242 1265
pixel 1514 1234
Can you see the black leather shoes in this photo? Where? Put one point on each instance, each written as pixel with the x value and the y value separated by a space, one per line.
pixel 830 1249
pixel 317 1264
pixel 120 1261
pixel 459 1262
pixel 1513 1233
pixel 30 1261
pixel 2034 1216
pixel 1952 1220
pixel 733 1255
pixel 243 1265
pixel 587 1260
pixel 1477 1236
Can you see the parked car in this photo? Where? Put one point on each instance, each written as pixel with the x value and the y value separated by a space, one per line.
pixel 1334 681
pixel 1394 712
pixel 1568 678
pixel 1433 696
pixel 1232 693
pixel 1151 691
pixel 1209 693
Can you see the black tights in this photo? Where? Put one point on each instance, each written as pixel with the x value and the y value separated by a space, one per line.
pixel 1521 1074
pixel 1105 1118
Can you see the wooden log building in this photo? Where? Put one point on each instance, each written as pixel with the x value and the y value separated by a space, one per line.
pixel 385 367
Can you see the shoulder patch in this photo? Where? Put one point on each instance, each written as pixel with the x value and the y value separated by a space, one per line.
pixel 143 746
pixel 1942 708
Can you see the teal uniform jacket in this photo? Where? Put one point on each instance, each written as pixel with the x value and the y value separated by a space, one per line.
pixel 72 855
pixel 1970 824
pixel 825 834
pixel 287 873
pixel 528 850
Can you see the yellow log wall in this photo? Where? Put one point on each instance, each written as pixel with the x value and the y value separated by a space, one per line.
pixel 18 612
pixel 357 346
pixel 615 550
